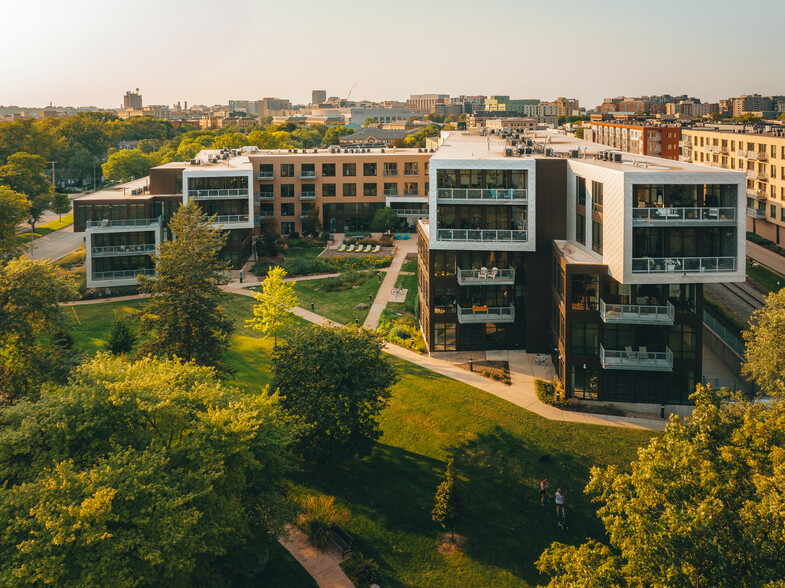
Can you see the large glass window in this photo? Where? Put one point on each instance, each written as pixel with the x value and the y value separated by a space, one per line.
pixel 596 237
pixel 369 169
pixel 369 189
pixel 350 189
pixel 287 170
pixel 349 169
pixel 580 228
pixel 287 209
pixel 444 336
pixel 410 168
pixel 596 196
pixel 585 291
pixel 390 169
pixel 287 190
pixel 682 340
pixel 328 190
pixel 328 170
pixel 391 189
pixel 583 338
pixel 584 382
pixel 580 191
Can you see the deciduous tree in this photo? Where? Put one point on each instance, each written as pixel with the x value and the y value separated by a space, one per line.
pixel 13 211
pixel 385 220
pixel 31 326
pixel 702 506
pixel 445 508
pixel 766 346
pixel 184 316
pixel 25 173
pixel 335 381
pixel 276 301
pixel 61 204
pixel 141 474
pixel 126 165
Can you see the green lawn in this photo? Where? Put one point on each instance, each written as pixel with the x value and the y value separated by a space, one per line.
pixel 410 265
pixel 338 306
pixel 496 446
pixel 45 229
pixel 73 259
pixel 765 277
pixel 283 570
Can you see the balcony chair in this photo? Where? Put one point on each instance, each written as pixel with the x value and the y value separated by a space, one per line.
pixel 629 353
pixel 494 273
pixel 642 353
pixel 483 273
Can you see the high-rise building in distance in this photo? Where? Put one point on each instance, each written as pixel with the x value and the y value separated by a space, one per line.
pixel 318 96
pixel 132 99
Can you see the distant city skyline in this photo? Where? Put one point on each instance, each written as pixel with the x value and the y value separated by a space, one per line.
pixel 81 53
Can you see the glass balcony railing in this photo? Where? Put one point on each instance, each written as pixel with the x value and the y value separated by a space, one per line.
pixel 678 265
pixel 307 195
pixel 121 274
pixel 678 215
pixel 228 218
pixel 637 314
pixel 484 194
pixel 491 277
pixel 307 175
pixel 756 213
pixel 115 250
pixel 486 314
pixel 642 359
pixel 125 222
pixel 266 175
pixel 489 235
pixel 413 212
pixel 218 193
pixel 265 196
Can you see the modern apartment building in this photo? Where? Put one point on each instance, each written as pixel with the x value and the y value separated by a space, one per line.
pixel 244 188
pixel 760 155
pixel 596 258
pixel 540 111
pixel 318 96
pixel 424 102
pixel 640 138
pixel 132 99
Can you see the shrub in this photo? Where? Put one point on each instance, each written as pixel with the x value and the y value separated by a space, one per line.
pixel 551 393
pixel 121 338
pixel 763 242
pixel 400 333
pixel 343 282
pixel 345 262
pixel 361 571
pixel 392 327
pixel 303 266
pixel 725 317
pixel 318 514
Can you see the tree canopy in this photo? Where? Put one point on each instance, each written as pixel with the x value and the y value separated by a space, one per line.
pixel 141 474
pixel 184 316
pixel 126 165
pixel 334 381
pixel 702 506
pixel 276 300
pixel 385 220
pixel 31 323
pixel 14 210
pixel 765 340
pixel 25 173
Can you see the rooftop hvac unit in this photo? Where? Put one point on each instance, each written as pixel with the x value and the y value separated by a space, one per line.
pixel 193 162
pixel 617 157
pixel 573 153
pixel 549 152
pixel 508 152
pixel 382 149
pixel 432 149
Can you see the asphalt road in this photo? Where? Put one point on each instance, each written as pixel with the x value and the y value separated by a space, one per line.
pixel 56 245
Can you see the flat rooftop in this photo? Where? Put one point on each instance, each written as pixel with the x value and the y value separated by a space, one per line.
pixel 472 144
pixel 138 189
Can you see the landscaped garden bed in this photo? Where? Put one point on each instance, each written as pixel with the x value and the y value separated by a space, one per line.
pixel 493 370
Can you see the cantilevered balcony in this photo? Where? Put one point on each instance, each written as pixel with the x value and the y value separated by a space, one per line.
pixel 219 194
pixel 122 274
pixel 637 314
pixel 266 176
pixel 123 250
pixel 485 276
pixel 486 314
pixel 307 195
pixel 679 265
pixel 111 224
pixel 756 213
pixel 483 195
pixel 412 212
pixel 266 196
pixel 227 219
pixel 684 215
pixel 758 155
pixel 757 174
pixel 307 175
pixel 642 359
pixel 482 235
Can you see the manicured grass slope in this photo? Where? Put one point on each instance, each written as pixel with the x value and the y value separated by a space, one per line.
pixel 496 446
pixel 337 306
pixel 44 229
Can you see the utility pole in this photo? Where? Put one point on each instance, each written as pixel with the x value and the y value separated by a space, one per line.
pixel 53 171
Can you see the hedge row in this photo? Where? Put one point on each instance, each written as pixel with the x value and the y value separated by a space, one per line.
pixel 550 393
pixel 304 266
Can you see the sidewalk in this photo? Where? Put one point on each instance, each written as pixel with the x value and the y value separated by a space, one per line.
pixel 403 247
pixel 766 257
pixel 322 565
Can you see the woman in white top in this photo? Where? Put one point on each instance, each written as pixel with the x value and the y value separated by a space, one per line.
pixel 559 500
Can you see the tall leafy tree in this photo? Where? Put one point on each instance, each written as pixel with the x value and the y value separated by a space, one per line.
pixel 126 165
pixel 26 173
pixel 141 474
pixel 81 166
pixel 276 301
pixel 61 204
pixel 766 346
pixel 385 220
pixel 31 327
pixel 335 381
pixel 13 210
pixel 87 130
pixel 702 506
pixel 184 316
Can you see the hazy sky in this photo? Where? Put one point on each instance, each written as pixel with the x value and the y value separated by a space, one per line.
pixel 89 52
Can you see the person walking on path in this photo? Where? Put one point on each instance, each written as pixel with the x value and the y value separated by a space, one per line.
pixel 544 491
pixel 559 500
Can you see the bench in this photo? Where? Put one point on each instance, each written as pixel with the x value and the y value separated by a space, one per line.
pixel 340 538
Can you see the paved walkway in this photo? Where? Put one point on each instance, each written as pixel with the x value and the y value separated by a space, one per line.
pixel 322 565
pixel 766 257
pixel 403 247
pixel 56 244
